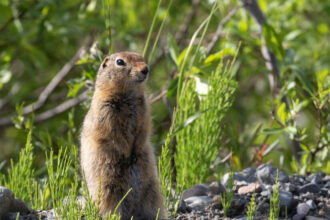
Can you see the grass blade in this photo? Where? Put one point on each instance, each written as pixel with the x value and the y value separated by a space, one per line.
pixel 159 31
pixel 107 17
pixel 151 29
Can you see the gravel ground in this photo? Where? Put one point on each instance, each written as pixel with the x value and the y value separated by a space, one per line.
pixel 301 197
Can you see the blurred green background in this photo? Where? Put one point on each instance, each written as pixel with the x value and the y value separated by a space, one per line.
pixel 38 38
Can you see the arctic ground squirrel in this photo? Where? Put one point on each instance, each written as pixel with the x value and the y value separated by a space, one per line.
pixel 115 149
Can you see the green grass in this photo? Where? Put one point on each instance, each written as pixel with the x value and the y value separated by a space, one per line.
pixel 196 125
pixel 29 189
pixel 275 202
pixel 227 197
pixel 59 190
pixel 251 208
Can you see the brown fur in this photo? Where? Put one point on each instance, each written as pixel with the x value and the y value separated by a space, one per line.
pixel 115 148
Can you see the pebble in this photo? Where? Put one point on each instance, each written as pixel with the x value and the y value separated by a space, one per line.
pixel 311 204
pixel 215 188
pixel 252 187
pixel 183 208
pixel 216 204
pixel 198 199
pixel 264 193
pixel 237 205
pixel 249 174
pixel 287 187
pixel 244 177
pixel 316 177
pixel 298 217
pixel 310 187
pixel 327 185
pixel 303 208
pixel 198 202
pixel 267 174
pixel 287 203
pixel 197 190
pixel 241 218
pixel 314 218
pixel 12 216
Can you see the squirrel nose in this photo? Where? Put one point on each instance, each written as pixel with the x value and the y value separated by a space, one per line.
pixel 145 70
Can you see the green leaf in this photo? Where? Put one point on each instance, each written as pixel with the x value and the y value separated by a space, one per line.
pixel 292 131
pixel 271 131
pixel 321 79
pixel 5 76
pixel 292 35
pixel 305 80
pixel 172 88
pixel 304 148
pixel 301 105
pixel 74 89
pixel 273 40
pixel 173 49
pixel 83 60
pixel 218 56
pixel 2 164
pixel 181 57
pixel 271 147
pixel 281 113
pixel 190 120
pixel 324 93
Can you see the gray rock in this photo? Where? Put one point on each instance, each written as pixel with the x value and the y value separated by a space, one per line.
pixel 287 187
pixel 12 216
pixel 264 193
pixel 267 174
pixel 286 198
pixel 237 205
pixel 316 177
pixel 215 188
pixel 245 176
pixel 314 218
pixel 6 198
pixel 8 203
pixel 216 203
pixel 18 205
pixel 298 217
pixel 310 187
pixel 241 218
pixel 303 208
pixel 197 190
pixel 327 185
pixel 249 174
pixel 252 187
pixel 199 199
pixel 311 204
pixel 287 203
pixel 50 215
pixel 183 208
pixel 198 202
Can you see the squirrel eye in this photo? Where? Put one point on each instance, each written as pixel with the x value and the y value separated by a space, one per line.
pixel 120 62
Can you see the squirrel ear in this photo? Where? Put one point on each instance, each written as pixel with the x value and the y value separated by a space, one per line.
pixel 103 64
pixel 105 61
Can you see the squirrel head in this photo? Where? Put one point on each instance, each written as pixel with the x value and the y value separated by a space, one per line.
pixel 122 72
